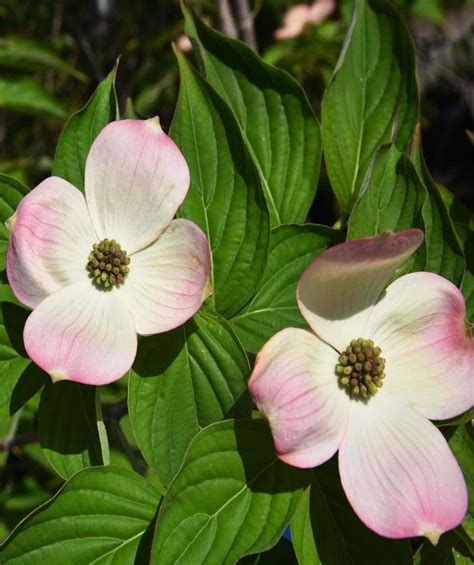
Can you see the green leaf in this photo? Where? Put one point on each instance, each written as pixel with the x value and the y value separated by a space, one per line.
pixel 99 516
pixel 232 497
pixel 27 96
pixel 461 443
pixel 274 307
pixel 456 420
pixel 392 199
pixel 6 295
pixel 278 123
pixel 398 195
pixel 182 381
pixel 325 529
pixel 225 198
pixel 11 192
pixel 463 220
pixel 81 129
pixel 68 428
pixel 13 359
pixel 444 254
pixel 371 99
pixel 23 54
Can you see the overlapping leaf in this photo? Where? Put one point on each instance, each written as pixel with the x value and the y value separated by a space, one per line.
pixel 232 497
pixel 182 381
pixel 392 200
pixel 326 531
pixel 279 125
pixel 11 192
pixel 274 307
pixel 80 131
pixel 444 254
pixel 463 221
pixel 99 516
pixel 461 443
pixel 68 428
pixel 225 198
pixel 13 359
pixel 371 99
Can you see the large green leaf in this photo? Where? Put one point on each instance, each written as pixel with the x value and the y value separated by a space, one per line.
pixel 231 497
pixel 325 529
pixel 392 200
pixel 182 381
pixel 27 96
pixel 99 516
pixel 80 131
pixel 371 99
pixel 13 359
pixel 461 443
pixel 279 125
pixel 11 192
pixel 274 307
pixel 68 427
pixel 398 194
pixel 463 220
pixel 392 197
pixel 444 253
pixel 225 198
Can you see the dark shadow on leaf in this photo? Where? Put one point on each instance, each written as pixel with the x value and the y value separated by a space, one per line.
pixel 242 407
pixel 67 421
pixel 143 554
pixel 280 554
pixel 339 535
pixel 28 385
pixel 156 353
pixel 264 472
pixel 14 318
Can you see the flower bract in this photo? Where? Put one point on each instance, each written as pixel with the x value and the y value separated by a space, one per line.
pixel 100 269
pixel 378 364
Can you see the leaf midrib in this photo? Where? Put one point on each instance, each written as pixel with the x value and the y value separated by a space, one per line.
pixel 211 517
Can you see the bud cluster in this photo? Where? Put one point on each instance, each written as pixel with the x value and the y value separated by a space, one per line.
pixel 361 368
pixel 108 263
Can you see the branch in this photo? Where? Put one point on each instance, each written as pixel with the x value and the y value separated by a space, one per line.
pixel 228 26
pixel 246 25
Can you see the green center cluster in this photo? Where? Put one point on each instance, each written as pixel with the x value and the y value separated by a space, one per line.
pixel 108 263
pixel 361 368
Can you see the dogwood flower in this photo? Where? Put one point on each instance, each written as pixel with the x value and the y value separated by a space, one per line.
pixel 322 391
pixel 99 270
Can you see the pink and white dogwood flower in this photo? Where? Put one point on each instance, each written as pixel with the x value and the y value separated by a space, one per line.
pixel 99 270
pixel 322 391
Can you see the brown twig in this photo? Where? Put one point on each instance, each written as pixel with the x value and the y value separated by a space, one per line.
pixel 246 24
pixel 227 22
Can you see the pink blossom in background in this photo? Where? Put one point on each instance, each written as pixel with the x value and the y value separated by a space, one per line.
pixel 300 15
pixel 99 270
pixel 321 390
